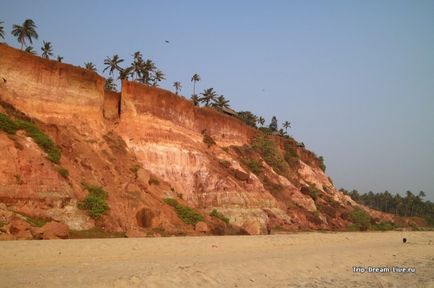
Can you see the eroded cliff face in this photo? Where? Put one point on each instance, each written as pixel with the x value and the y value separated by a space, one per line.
pixel 118 141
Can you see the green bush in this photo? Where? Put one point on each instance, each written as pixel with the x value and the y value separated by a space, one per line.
pixel 313 192
pixel 95 202
pixel 384 226
pixel 188 215
pixel 321 163
pixel 254 166
pixel 269 151
pixel 218 215
pixel 360 218
pixel 10 126
pixel 41 139
pixel 64 172
pixel 7 124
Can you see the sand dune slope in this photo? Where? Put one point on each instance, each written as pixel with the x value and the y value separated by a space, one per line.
pixel 295 260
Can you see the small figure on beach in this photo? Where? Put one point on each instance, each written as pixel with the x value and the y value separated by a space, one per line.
pixel 404 240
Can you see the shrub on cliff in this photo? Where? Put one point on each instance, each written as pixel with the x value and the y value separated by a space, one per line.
pixel 218 215
pixel 360 218
pixel 254 166
pixel 41 139
pixel 269 151
pixel 7 124
pixel 95 201
pixel 44 142
pixel 188 215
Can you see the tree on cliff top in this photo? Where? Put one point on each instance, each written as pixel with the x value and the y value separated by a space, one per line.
pixel 273 124
pixel 47 50
pixel 30 50
pixel 195 100
pixel 208 95
pixel 158 77
pixel 110 85
pixel 287 125
pixel 90 66
pixel 261 121
pixel 194 79
pixel 2 31
pixel 177 86
pixel 220 102
pixel 27 30
pixel 113 64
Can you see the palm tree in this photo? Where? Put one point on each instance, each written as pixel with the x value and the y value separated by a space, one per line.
pixel 194 79
pixel 59 58
pixel 195 100
pixel 110 84
pixel 177 86
pixel 220 102
pixel 47 50
pixel 208 95
pixel 158 77
pixel 27 30
pixel 261 121
pixel 113 64
pixel 2 31
pixel 90 66
pixel 137 64
pixel 147 68
pixel 125 73
pixel 286 125
pixel 30 50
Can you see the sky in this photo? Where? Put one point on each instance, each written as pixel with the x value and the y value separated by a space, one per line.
pixel 354 78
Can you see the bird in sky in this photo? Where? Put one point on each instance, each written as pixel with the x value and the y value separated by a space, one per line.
pixel 167 41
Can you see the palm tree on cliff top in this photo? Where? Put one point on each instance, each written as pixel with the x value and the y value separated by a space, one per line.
pixel 2 31
pixel 90 66
pixel 194 79
pixel 287 125
pixel 47 50
pixel 113 64
pixel 177 86
pixel 27 30
pixel 208 95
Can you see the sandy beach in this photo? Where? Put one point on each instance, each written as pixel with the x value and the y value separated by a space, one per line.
pixel 291 260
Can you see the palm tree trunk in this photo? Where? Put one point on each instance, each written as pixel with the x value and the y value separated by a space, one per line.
pixel 194 87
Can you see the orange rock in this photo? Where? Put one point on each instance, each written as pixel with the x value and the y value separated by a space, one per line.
pixel 201 227
pixel 60 230
pixel 17 225
pixel 134 233
pixel 253 227
pixel 6 237
pixel 24 235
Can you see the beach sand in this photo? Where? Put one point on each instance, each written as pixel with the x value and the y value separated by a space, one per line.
pixel 288 260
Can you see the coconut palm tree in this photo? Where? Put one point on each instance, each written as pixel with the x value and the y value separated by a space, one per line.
pixel 125 73
pixel 208 95
pixel 137 64
pixel 90 66
pixel 2 31
pixel 147 68
pixel 261 120
pixel 194 79
pixel 110 84
pixel 47 50
pixel 113 64
pixel 27 30
pixel 59 58
pixel 195 100
pixel 158 77
pixel 286 125
pixel 177 86
pixel 220 102
pixel 30 50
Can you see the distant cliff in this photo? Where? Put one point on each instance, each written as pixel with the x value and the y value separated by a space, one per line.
pixel 145 145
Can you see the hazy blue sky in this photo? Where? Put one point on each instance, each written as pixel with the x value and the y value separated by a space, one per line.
pixel 355 78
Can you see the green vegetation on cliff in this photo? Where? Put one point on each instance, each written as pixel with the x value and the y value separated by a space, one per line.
pixel 10 126
pixel 188 215
pixel 95 202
